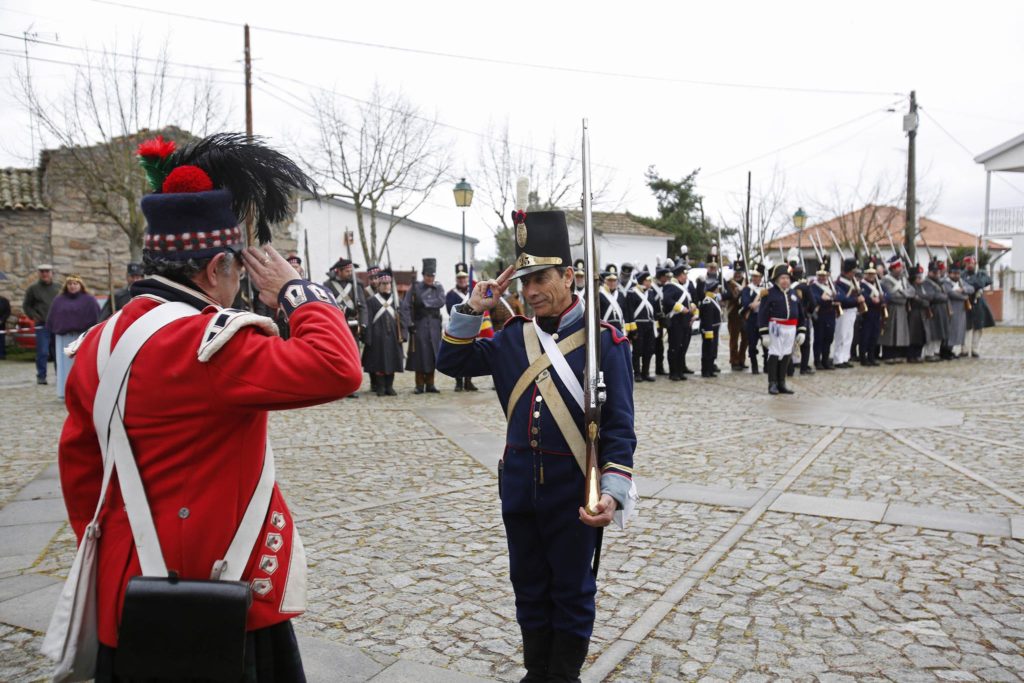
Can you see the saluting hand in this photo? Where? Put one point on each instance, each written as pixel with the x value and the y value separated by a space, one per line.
pixel 268 271
pixel 487 292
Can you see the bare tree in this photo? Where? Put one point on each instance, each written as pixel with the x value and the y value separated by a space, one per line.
pixel 97 122
pixel 555 174
pixel 383 154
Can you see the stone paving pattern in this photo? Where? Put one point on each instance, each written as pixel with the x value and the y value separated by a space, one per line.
pixel 407 553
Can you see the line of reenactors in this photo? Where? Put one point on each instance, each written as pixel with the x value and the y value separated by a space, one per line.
pixel 873 312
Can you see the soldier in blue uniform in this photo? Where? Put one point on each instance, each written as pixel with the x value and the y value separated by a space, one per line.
pixel 803 292
pixel 847 294
pixel 750 302
pixel 825 311
pixel 459 294
pixel 640 304
pixel 661 278
pixel 551 539
pixel 710 321
pixel 678 308
pixel 780 322
pixel 613 301
pixel 871 321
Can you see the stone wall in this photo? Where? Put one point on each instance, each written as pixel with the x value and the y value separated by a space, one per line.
pixel 24 244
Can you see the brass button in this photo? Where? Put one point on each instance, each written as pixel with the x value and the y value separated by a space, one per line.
pixel 533 444
pixel 534 430
pixel 536 414
pixel 539 399
pixel 183 513
pixel 555 336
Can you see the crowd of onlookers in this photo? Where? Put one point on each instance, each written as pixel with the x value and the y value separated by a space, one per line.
pixel 59 314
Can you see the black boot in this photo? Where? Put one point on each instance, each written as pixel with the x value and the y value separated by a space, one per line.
pixel 785 363
pixel 469 386
pixel 419 382
pixel 429 378
pixel 771 368
pixel 567 656
pixel 753 366
pixel 389 385
pixel 377 382
pixel 458 384
pixel 645 369
pixel 536 655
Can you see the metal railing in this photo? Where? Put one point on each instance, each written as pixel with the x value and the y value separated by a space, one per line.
pixel 1006 221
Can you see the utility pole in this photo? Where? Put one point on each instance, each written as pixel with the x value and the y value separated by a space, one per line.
pixel 910 229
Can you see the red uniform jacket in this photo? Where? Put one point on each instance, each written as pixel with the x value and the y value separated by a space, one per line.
pixel 197 430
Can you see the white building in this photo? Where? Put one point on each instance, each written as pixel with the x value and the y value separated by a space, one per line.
pixel 619 239
pixel 320 226
pixel 1007 223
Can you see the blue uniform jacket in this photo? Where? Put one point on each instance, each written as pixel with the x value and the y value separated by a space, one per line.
pixel 847 292
pixel 824 310
pixel 504 359
pixel 779 305
pixel 747 296
pixel 453 298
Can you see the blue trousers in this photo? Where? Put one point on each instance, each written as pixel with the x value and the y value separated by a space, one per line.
pixel 550 550
pixel 42 350
pixel 870 331
pixel 824 333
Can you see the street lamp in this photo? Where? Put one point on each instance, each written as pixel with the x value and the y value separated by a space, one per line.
pixel 799 221
pixel 463 198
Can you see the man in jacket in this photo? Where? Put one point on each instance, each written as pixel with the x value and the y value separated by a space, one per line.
pixel 36 305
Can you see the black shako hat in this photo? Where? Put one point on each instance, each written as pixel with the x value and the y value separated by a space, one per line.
pixel 461 270
pixel 542 241
pixel 343 263
pixel 430 266
pixel 680 269
pixel 135 269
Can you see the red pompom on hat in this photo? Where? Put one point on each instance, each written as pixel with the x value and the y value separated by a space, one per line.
pixel 187 179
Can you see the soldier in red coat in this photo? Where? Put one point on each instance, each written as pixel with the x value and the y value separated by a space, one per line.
pixel 200 390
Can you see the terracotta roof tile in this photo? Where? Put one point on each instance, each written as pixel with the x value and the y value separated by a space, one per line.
pixel 877 223
pixel 21 189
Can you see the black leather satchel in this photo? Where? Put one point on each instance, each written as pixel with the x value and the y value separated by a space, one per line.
pixel 174 629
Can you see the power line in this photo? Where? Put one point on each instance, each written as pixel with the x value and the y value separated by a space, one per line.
pixel 795 143
pixel 504 62
pixel 105 53
pixel 967 149
pixel 20 55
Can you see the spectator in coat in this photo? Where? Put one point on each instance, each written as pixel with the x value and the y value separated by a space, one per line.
pixel 36 306
pixel 73 312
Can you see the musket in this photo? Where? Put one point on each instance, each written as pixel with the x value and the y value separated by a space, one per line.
pixel 594 393
pixel 110 286
pixel 820 250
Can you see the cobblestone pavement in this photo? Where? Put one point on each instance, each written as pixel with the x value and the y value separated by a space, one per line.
pixel 895 556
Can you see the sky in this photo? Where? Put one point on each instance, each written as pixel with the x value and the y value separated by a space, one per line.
pixel 797 93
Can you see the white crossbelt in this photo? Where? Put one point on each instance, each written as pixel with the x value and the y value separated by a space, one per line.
pixel 386 306
pixel 645 305
pixel 560 365
pixel 614 311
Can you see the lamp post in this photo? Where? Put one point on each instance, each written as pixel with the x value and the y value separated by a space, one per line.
pixel 463 198
pixel 799 221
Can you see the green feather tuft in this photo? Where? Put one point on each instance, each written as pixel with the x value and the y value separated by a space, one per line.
pixel 156 171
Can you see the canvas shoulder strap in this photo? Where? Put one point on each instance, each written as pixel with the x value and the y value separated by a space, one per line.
pixel 556 404
pixel 538 363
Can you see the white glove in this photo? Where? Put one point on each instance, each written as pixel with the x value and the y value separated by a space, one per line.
pixel 765 340
pixel 800 338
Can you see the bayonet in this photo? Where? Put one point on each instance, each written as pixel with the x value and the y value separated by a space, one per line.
pixel 594 393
